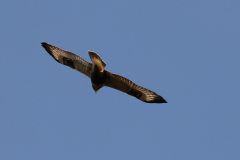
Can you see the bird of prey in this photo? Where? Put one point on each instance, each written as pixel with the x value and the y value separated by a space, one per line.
pixel 101 77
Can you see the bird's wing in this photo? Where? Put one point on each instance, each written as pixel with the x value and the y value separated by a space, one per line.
pixel 69 59
pixel 125 85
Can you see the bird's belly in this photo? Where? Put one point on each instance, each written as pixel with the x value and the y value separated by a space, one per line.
pixel 97 79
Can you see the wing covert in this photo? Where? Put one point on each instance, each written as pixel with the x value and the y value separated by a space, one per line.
pixel 69 59
pixel 127 86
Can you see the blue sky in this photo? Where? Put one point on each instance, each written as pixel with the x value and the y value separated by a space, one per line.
pixel 186 51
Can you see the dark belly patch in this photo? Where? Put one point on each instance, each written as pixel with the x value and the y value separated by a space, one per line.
pixel 98 78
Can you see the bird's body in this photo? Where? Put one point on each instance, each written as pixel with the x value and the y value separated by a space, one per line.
pixel 101 77
pixel 98 76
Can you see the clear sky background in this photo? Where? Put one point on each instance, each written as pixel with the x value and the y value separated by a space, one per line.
pixel 186 51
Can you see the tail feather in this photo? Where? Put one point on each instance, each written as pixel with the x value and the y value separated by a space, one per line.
pixel 97 60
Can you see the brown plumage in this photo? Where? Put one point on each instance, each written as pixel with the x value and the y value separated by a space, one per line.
pixel 101 77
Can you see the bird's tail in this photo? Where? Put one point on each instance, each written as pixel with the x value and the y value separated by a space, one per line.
pixel 97 60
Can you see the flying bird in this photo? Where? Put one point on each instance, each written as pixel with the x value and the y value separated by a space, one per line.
pixel 101 77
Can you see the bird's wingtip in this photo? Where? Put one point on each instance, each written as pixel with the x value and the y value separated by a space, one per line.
pixel 43 43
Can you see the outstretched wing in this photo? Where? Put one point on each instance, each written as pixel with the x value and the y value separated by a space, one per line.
pixel 125 85
pixel 69 59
